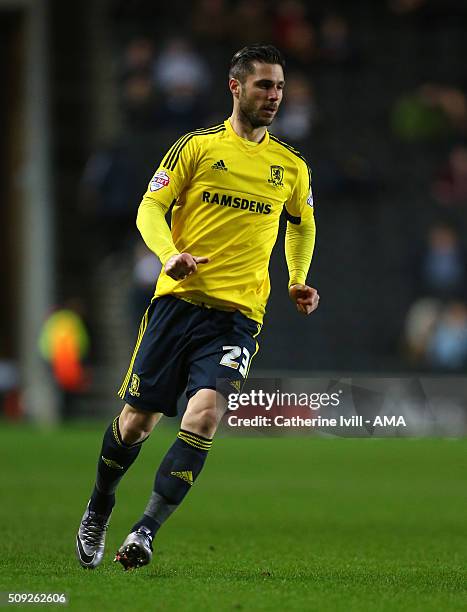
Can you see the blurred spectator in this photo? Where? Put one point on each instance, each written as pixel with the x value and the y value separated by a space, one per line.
pixel 454 104
pixel 146 271
pixel 298 111
pixel 403 7
pixel 288 15
pixel 64 342
pixel 430 113
pixel 441 265
pixel 416 117
pixel 250 22
pixel 295 34
pixel 183 76
pixel 436 324
pixel 109 197
pixel 138 57
pixel 353 176
pixel 139 103
pixel 335 43
pixel 303 48
pixel 210 23
pixel 419 325
pixel 447 347
pixel 180 68
pixel 182 109
pixel 450 187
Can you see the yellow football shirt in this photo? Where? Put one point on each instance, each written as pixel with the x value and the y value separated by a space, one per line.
pixel 228 196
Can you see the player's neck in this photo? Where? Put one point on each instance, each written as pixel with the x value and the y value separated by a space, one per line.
pixel 245 130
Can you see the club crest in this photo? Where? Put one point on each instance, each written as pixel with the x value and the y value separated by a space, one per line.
pixel 134 386
pixel 277 176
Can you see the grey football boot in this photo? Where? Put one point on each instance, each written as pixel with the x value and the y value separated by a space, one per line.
pixel 136 550
pixel 90 540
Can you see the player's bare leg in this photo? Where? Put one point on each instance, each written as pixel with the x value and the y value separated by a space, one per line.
pixel 120 447
pixel 176 475
pixel 204 413
pixel 136 425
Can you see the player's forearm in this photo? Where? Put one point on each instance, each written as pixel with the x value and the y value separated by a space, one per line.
pixel 154 229
pixel 299 245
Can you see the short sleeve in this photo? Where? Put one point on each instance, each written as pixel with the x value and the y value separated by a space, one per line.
pixel 174 173
pixel 302 195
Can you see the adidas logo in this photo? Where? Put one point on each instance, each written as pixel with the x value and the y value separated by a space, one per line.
pixel 111 463
pixel 187 476
pixel 235 384
pixel 219 165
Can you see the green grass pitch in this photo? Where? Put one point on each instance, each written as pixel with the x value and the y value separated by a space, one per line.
pixel 272 524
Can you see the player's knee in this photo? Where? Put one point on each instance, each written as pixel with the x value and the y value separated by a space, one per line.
pixel 131 433
pixel 204 411
pixel 135 425
pixel 203 421
pixel 207 422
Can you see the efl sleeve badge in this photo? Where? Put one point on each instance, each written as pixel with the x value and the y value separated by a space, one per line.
pixel 159 180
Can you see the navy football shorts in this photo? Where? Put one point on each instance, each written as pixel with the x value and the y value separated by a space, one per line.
pixel 183 346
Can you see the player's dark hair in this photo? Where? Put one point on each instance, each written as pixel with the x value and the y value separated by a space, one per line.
pixel 242 62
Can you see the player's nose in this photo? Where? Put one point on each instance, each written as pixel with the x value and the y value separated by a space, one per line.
pixel 274 94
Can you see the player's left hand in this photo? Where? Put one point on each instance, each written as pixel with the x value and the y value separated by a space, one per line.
pixel 306 298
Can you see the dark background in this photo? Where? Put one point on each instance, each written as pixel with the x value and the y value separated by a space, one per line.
pixel 374 181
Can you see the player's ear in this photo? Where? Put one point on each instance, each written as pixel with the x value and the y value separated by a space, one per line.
pixel 234 87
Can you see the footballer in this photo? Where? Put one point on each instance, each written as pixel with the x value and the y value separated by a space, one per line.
pixel 228 185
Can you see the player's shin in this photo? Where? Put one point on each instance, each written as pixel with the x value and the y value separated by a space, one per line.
pixel 114 460
pixel 175 477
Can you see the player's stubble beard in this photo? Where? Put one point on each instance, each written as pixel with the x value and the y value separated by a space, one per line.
pixel 250 114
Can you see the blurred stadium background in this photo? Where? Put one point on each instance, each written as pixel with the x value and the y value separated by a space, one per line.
pixel 93 93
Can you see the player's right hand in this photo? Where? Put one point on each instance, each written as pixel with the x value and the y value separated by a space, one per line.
pixel 182 265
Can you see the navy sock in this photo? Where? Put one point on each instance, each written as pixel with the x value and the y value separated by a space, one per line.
pixel 175 477
pixel 114 460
